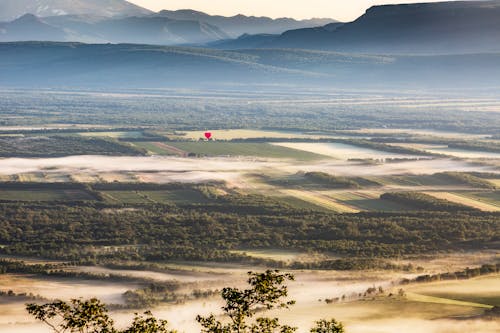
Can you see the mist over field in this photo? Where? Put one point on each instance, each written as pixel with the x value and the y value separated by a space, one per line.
pixel 152 160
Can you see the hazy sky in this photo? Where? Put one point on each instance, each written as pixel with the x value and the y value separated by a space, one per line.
pixel 343 10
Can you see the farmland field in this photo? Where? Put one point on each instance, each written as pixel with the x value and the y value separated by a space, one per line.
pixel 479 290
pixel 115 135
pixel 321 200
pixel 245 149
pixel 44 195
pixel 492 198
pixel 138 196
pixel 155 148
pixel 230 134
pixel 341 151
pixel 368 201
pixel 175 196
pixel 495 182
pixel 199 214
pixel 445 150
pixel 465 200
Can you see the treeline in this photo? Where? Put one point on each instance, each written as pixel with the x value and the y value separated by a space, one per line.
pixel 331 180
pixel 61 271
pixel 58 146
pixel 466 179
pixel 67 130
pixel 210 231
pixel 476 146
pixel 156 293
pixel 422 201
pixel 467 273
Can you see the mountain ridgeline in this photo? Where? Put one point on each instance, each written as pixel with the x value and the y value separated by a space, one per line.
pixel 239 25
pixel 13 9
pixel 50 64
pixel 425 28
pixel 117 21
pixel 448 44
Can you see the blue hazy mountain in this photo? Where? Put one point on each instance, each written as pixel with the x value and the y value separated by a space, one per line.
pixel 248 41
pixel 93 29
pixel 12 9
pixel 49 64
pixel 240 24
pixel 446 27
pixel 29 27
pixel 118 21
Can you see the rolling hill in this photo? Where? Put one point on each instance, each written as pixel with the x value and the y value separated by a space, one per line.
pixel 46 64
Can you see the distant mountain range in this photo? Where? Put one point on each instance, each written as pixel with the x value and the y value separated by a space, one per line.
pixel 91 29
pixel 48 64
pixel 118 21
pixel 238 25
pixel 13 9
pixel 446 27
pixel 428 28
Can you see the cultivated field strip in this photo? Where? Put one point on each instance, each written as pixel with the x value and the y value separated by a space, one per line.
pixel 463 200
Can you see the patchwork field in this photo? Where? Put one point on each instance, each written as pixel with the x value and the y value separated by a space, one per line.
pixel 495 182
pixel 320 200
pixel 115 135
pixel 465 200
pixel 230 134
pixel 368 201
pixel 445 150
pixel 479 292
pixel 214 148
pixel 44 195
pixel 341 151
pixel 141 197
pixel 159 148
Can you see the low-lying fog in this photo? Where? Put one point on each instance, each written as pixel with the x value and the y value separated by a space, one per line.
pixel 171 169
pixel 310 290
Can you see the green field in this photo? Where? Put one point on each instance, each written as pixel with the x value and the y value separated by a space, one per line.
pixel 175 196
pixel 151 147
pixel 492 198
pixel 114 135
pixel 320 199
pixel 301 204
pixel 483 290
pixel 127 197
pixel 214 148
pixel 45 195
pixel 368 201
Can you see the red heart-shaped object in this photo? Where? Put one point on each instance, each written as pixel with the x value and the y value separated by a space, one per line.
pixel 208 135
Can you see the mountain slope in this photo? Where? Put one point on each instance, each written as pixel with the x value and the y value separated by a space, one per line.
pixel 12 9
pixel 33 64
pixel 447 27
pixel 158 30
pixel 240 24
pixel 266 40
pixel 30 27
pixel 93 29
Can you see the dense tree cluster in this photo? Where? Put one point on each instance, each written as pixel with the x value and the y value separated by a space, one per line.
pixel 56 146
pixel 88 231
